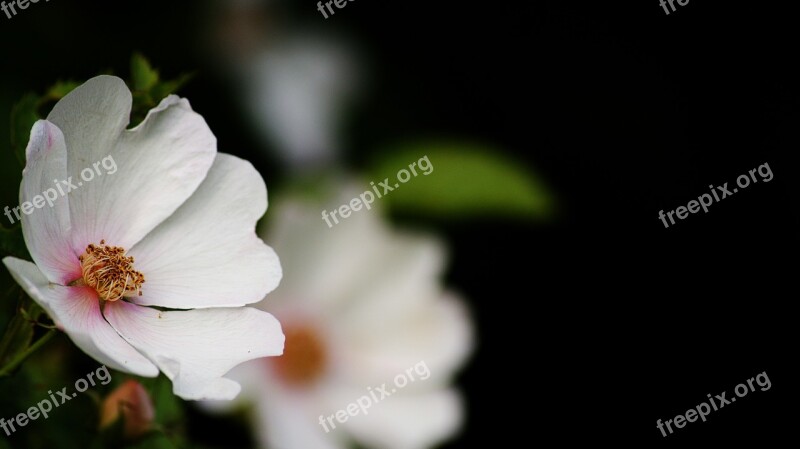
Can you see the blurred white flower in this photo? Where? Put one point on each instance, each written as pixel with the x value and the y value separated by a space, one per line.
pixel 360 304
pixel 173 227
pixel 296 90
pixel 295 86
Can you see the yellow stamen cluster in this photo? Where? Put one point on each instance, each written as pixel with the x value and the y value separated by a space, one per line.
pixel 107 270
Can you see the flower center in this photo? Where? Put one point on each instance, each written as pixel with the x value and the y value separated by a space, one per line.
pixel 304 357
pixel 107 270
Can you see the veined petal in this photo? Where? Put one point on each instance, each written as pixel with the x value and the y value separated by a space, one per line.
pixel 47 228
pixel 195 348
pixel 76 311
pixel 207 253
pixel 128 181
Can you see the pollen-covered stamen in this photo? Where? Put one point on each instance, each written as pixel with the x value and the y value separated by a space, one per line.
pixel 107 270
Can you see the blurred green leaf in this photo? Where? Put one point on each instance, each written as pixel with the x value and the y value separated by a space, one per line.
pixel 154 440
pixel 464 181
pixel 113 438
pixel 164 88
pixel 143 76
pixel 169 411
pixel 147 87
pixel 168 407
pixel 15 345
pixel 19 334
pixel 28 110
pixel 60 90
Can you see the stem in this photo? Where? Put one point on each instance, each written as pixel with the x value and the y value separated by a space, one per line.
pixel 14 328
pixel 19 335
pixel 12 365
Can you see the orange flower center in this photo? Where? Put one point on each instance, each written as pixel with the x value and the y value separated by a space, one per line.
pixel 107 270
pixel 304 357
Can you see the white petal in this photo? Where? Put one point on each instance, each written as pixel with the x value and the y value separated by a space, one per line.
pixel 284 421
pixel 195 348
pixel 252 377
pixel 385 339
pixel 412 277
pixel 295 91
pixel 281 418
pixel 149 171
pixel 76 311
pixel 407 422
pixel 47 228
pixel 328 267
pixel 207 253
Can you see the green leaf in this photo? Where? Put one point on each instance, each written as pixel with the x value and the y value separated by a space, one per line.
pixel 143 76
pixel 168 407
pixel 23 115
pixel 154 440
pixel 148 89
pixel 164 88
pixel 17 337
pixel 27 111
pixel 113 437
pixel 462 181
pixel 60 90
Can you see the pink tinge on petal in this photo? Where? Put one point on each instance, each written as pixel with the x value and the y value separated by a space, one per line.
pixel 79 308
pixel 78 314
pixel 70 267
pixel 76 311
pixel 44 211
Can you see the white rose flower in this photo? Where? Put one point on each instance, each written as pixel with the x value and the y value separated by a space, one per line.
pixel 174 228
pixel 360 305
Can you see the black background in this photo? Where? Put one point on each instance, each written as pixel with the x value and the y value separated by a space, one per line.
pixel 603 316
